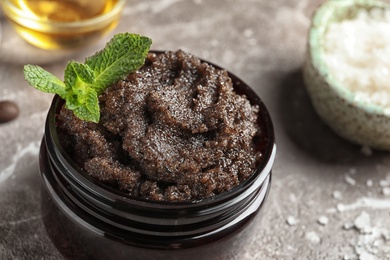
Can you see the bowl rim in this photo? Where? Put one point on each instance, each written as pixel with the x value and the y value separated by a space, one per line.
pixel 101 18
pixel 322 17
pixel 259 175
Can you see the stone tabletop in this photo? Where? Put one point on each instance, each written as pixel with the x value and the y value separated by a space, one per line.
pixel 329 199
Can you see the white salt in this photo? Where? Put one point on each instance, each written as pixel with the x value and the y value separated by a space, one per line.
pixel 357 54
pixel 340 207
pixel 292 221
pixel 386 191
pixel 293 198
pixel 348 226
pixel 323 220
pixel 362 223
pixel 349 257
pixel 366 256
pixel 313 237
pixel 349 180
pixel 337 195
pixel 384 183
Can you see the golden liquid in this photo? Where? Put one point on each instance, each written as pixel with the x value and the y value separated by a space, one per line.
pixel 39 21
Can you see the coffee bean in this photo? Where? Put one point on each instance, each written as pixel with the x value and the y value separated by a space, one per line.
pixel 8 111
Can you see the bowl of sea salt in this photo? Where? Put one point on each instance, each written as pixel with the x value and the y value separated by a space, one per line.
pixel 347 69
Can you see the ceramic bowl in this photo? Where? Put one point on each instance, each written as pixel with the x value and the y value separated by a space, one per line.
pixel 362 123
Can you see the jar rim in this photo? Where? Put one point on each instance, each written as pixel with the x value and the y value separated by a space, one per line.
pixel 101 190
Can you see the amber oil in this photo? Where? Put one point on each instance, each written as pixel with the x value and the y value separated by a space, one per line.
pixel 62 24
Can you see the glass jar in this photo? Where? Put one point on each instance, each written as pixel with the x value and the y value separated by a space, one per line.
pixel 58 25
pixel 88 220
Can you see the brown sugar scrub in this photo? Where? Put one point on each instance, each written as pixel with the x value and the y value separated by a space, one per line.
pixel 175 130
pixel 149 179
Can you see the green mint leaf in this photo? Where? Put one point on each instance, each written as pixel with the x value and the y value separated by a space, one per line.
pixel 125 53
pixel 88 110
pixel 80 97
pixel 83 83
pixel 78 74
pixel 43 80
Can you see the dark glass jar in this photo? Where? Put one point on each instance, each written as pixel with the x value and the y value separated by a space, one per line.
pixel 87 220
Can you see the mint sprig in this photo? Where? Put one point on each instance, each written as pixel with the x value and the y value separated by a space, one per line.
pixel 84 82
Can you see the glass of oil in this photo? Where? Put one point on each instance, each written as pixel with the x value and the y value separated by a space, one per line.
pixel 62 24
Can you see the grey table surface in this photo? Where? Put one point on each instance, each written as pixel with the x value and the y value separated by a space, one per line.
pixel 329 198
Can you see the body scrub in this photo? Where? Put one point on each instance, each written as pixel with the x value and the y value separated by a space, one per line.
pixel 175 130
